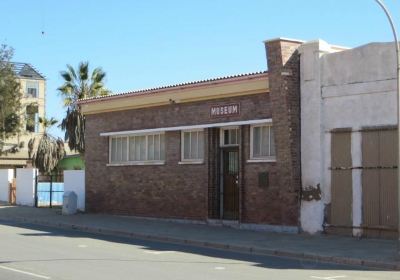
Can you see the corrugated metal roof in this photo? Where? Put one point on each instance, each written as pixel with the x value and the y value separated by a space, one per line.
pixel 181 85
pixel 26 70
pixel 11 162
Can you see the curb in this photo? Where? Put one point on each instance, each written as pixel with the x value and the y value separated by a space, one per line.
pixel 235 248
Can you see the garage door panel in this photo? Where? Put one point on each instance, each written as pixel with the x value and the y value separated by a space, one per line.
pixel 388 148
pixel 370 148
pixel 341 183
pixel 379 183
pixel 370 209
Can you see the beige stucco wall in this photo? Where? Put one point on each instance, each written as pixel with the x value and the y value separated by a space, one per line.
pixel 25 136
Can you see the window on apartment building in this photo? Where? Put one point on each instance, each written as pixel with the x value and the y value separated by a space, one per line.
pixel 137 148
pixel 32 118
pixel 262 142
pixel 32 89
pixel 229 136
pixel 192 145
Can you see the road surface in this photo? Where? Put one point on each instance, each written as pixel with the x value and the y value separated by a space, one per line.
pixel 36 252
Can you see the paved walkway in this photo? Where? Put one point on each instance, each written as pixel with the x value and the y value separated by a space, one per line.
pixel 373 253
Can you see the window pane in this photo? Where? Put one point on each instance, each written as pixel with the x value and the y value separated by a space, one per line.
pixel 193 145
pixel 256 141
pixel 124 149
pixel 113 149
pixel 32 89
pixel 226 137
pixel 31 118
pixel 233 136
pixel 265 141
pixel 157 147
pixel 186 145
pixel 142 140
pixel 137 148
pixel 132 148
pixel 150 147
pixel 119 150
pixel 162 146
pixel 200 145
pixel 272 141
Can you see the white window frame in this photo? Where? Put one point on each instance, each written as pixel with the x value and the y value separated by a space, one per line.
pixel 264 158
pixel 28 85
pixel 136 162
pixel 221 136
pixel 191 161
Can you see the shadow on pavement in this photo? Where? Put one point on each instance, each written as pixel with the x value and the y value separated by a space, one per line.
pixel 273 262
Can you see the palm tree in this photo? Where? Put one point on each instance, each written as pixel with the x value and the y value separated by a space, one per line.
pixel 45 150
pixel 77 85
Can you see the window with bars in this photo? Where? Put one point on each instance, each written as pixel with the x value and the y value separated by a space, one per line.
pixel 137 148
pixel 262 142
pixel 192 144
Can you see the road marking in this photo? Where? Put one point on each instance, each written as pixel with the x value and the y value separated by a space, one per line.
pixel 219 268
pixel 158 252
pixel 25 272
pixel 329 277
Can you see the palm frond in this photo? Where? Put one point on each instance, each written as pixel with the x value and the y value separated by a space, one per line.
pixel 66 76
pixel 83 70
pixel 79 86
pixel 72 71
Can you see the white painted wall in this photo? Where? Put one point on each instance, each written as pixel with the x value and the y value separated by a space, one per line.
pixel 340 88
pixel 74 180
pixel 6 176
pixel 25 194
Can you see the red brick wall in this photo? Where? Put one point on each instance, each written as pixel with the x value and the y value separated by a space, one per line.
pixel 184 191
pixel 284 83
pixel 170 190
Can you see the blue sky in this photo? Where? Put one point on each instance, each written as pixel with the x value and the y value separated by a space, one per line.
pixel 142 44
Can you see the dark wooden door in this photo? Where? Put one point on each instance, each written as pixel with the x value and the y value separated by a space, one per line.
pixel 230 163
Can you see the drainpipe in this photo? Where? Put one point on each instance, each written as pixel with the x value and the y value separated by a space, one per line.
pixel 380 3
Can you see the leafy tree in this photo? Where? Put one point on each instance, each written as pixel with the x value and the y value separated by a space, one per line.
pixel 45 150
pixel 10 101
pixel 79 84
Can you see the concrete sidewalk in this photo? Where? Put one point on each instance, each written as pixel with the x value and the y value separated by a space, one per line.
pixel 380 254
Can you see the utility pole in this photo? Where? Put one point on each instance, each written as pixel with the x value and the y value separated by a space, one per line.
pixel 380 3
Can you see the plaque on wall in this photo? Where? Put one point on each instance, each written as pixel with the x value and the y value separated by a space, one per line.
pixel 263 180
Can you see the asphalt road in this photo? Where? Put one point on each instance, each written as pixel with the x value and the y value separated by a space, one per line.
pixel 36 252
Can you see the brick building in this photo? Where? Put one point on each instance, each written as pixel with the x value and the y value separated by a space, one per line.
pixel 213 150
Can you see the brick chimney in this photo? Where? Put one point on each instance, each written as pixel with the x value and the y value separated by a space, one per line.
pixel 284 84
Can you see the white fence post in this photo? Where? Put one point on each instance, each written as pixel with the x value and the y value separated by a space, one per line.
pixel 25 193
pixel 74 180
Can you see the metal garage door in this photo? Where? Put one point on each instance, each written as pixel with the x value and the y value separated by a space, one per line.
pixel 379 183
pixel 341 184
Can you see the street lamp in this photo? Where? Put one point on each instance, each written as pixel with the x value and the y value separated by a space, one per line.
pixel 398 115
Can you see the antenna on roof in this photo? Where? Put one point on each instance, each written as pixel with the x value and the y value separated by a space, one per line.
pixel 42 19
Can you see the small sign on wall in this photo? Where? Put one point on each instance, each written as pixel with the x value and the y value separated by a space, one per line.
pixel 225 110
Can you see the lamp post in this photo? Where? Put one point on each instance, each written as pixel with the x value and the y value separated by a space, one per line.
pixel 380 3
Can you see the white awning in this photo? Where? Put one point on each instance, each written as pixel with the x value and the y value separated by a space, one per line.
pixel 185 127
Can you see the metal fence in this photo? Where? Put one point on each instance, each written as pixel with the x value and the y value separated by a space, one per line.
pixel 49 190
